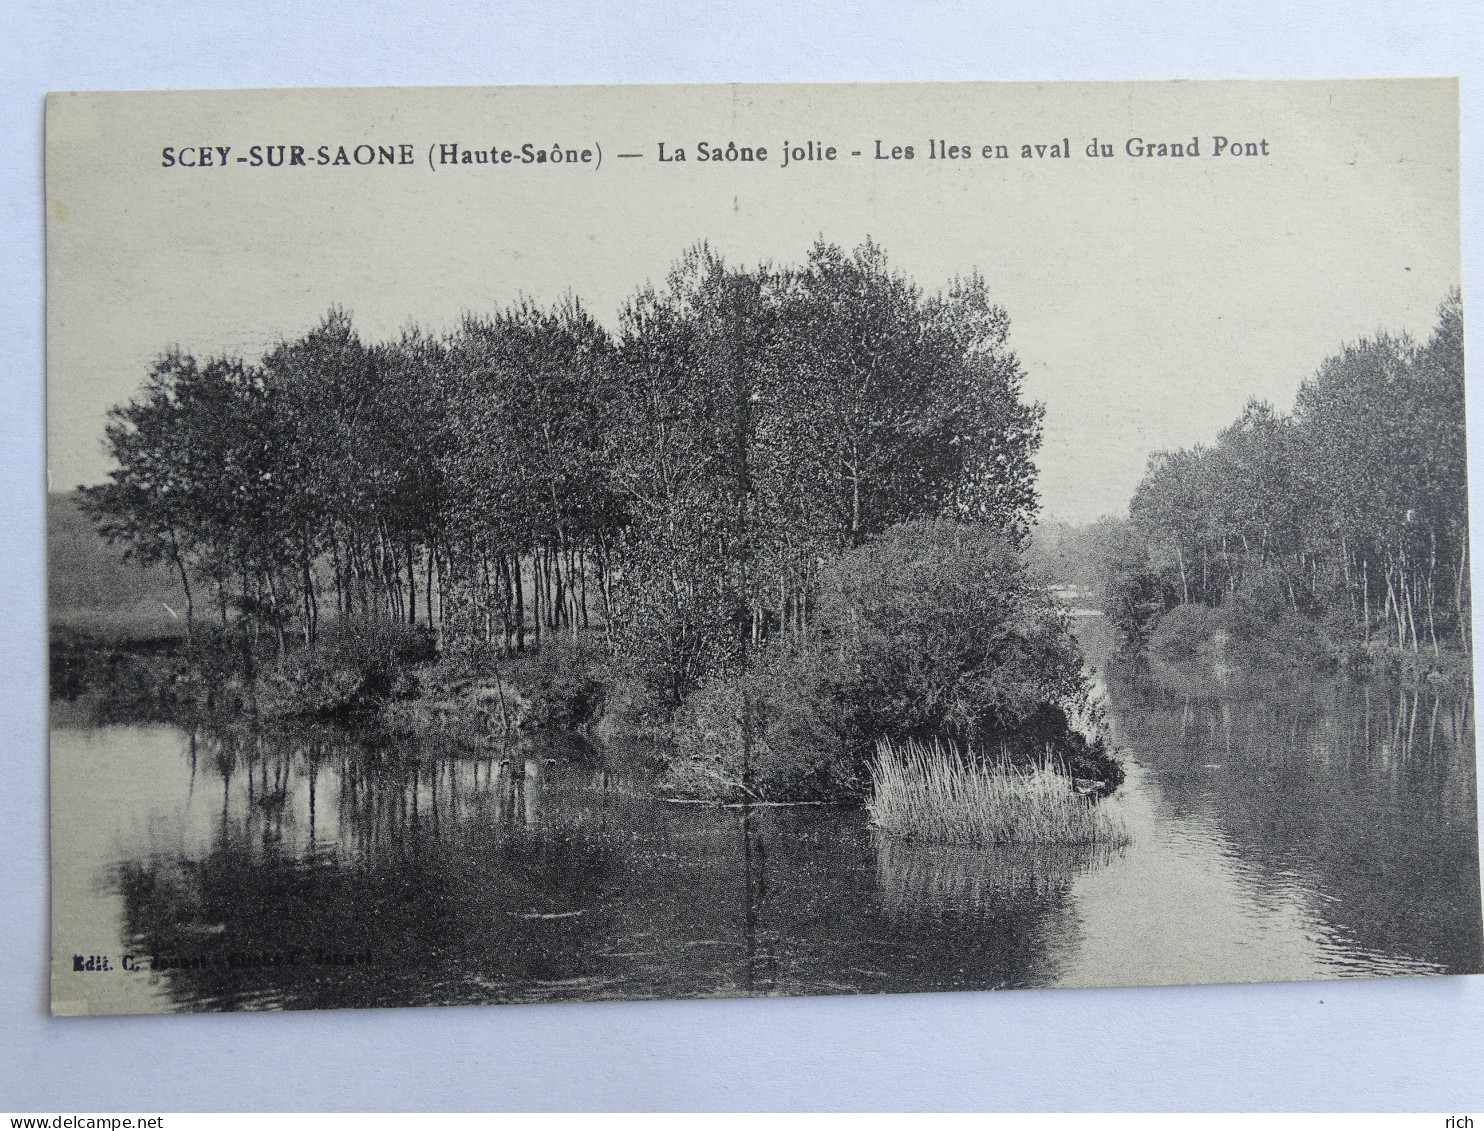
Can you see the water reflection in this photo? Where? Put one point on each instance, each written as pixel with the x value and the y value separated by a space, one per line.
pixel 310 868
pixel 1288 831
pixel 1336 817
pixel 337 871
pixel 930 882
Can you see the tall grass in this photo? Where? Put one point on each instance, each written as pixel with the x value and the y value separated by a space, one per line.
pixel 932 793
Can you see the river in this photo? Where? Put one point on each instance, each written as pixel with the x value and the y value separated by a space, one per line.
pixel 1305 828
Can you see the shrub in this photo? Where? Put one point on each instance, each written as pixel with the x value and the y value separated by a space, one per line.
pixel 566 682
pixel 1256 624
pixel 1186 631
pixel 793 745
pixel 931 792
pixel 1261 618
pixel 930 631
pixel 354 666
pixel 631 710
pixel 944 636
pixel 941 635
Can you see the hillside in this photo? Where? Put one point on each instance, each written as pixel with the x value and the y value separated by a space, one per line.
pixel 92 589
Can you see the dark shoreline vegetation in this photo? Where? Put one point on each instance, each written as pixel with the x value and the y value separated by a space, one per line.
pixel 776 517
pixel 1334 537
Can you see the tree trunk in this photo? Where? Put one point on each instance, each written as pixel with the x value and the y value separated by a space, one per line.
pixel 1365 596
pixel 185 583
pixel 277 619
pixel 430 561
pixel 520 604
pixel 411 586
pixel 582 573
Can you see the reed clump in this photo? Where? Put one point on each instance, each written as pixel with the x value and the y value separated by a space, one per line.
pixel 932 792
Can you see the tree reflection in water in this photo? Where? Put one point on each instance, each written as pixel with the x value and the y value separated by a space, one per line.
pixel 428 879
pixel 1339 814
pixel 532 875
pixel 1353 800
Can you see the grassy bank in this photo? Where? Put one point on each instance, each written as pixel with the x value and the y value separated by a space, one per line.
pixel 1243 634
pixel 391 678
pixel 371 673
pixel 931 792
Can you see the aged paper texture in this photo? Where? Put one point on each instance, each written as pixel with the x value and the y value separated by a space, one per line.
pixel 587 543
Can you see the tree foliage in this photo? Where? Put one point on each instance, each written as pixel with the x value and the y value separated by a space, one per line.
pixel 929 631
pixel 1353 508
pixel 676 484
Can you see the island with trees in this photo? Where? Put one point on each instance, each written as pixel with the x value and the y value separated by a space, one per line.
pixel 774 525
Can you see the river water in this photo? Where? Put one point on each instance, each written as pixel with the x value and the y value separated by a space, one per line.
pixel 1303 829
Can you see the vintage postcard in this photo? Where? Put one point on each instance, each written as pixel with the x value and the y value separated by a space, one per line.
pixel 601 543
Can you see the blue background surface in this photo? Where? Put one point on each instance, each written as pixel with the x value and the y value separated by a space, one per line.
pixel 1379 1045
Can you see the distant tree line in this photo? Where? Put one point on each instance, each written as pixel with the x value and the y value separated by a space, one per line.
pixel 677 484
pixel 1353 507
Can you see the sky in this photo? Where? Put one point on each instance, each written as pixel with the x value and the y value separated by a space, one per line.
pixel 1149 296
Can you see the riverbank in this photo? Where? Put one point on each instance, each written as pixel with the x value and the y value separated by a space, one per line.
pixel 392 680
pixel 1231 638
pixel 387 674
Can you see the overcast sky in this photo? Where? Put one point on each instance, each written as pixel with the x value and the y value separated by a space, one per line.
pixel 1149 297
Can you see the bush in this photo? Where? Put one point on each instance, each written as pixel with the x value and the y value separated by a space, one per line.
pixel 941 635
pixel 354 666
pixel 567 682
pixel 675 627
pixel 930 631
pixel 1186 632
pixel 632 711
pixel 793 746
pixel 222 659
pixel 1257 624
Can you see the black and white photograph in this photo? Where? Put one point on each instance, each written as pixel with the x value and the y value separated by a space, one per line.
pixel 581 544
